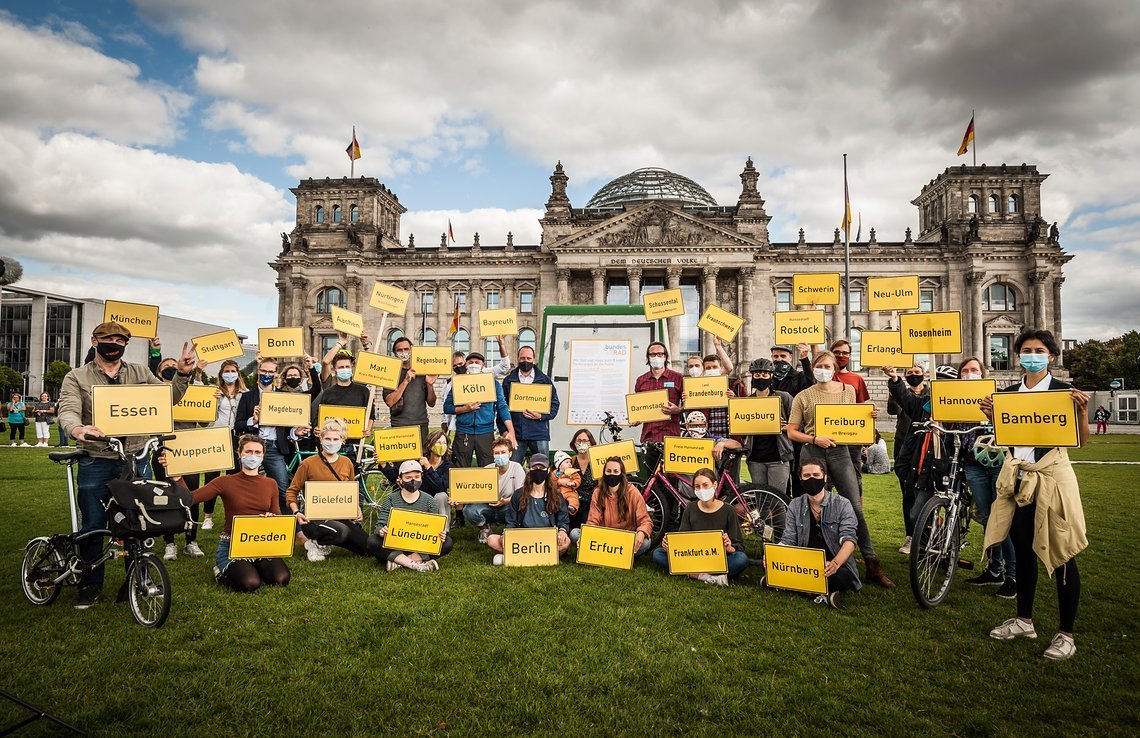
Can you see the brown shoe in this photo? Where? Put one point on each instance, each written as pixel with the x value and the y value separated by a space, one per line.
pixel 875 574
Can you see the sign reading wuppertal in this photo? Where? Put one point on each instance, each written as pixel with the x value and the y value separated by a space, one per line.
pixel 289 409
pixel 397 444
pixel 795 568
pixel 664 304
pixel 688 455
pixel 1040 419
pixel 931 333
pixel 199 450
pixel 754 416
pixel 883 348
pixel 799 326
pixel 606 547
pixel 388 298
pixel 377 370
pixel 419 532
pixel 815 289
pixel 850 425
pixel 140 320
pixel 198 405
pixel 697 552
pixel 262 537
pixel 472 484
pixel 281 342
pixel 959 400
pixel 721 323
pixel 892 293
pixel 332 500
pixel 530 546
pixel 132 409
pixel 218 346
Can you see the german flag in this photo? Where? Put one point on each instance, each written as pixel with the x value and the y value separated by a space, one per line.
pixel 450 233
pixel 968 138
pixel 353 149
pixel 455 318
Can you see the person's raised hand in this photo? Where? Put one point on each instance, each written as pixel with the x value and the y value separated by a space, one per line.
pixel 803 348
pixel 890 372
pixel 189 359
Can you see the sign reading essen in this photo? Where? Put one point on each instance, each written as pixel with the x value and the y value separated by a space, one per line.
pixel 1040 419
pixel 664 304
pixel 140 320
pixel 377 370
pixel 697 552
pixel 706 392
pixel 530 547
pixel 289 409
pixel 799 326
pixel 398 444
pixel 687 455
pixel 624 450
pixel 432 361
pixel 892 293
pixel 419 532
pixel 132 410
pixel 388 298
pixel 467 388
pixel 500 322
pixel 346 321
pixel 883 348
pixel 645 407
pixel 218 346
pixel 466 485
pixel 931 333
pixel 606 547
pixel 795 568
pixel 533 397
pixel 199 450
pixel 332 501
pixel 281 342
pixel 262 537
pixel 959 400
pixel 847 425
pixel 815 289
pixel 352 415
pixel 721 323
pixel 754 416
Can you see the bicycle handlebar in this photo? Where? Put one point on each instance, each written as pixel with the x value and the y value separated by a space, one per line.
pixel 943 429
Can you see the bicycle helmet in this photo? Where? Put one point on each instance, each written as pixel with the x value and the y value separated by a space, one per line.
pixel 945 372
pixel 987 453
pixel 696 424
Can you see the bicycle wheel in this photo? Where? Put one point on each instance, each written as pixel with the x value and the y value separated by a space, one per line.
pixel 148 591
pixel 657 505
pixel 41 566
pixel 374 488
pixel 762 521
pixel 933 553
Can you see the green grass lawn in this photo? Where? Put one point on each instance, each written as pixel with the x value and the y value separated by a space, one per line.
pixel 348 649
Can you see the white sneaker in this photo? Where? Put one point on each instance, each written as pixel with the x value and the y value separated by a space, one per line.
pixel 171 552
pixel 392 566
pixel 1063 647
pixel 208 523
pixel 498 560
pixel 905 548
pixel 720 580
pixel 13 444
pixel 24 444
pixel 422 566
pixel 313 551
pixel 1013 628
pixel 193 550
pixel 325 550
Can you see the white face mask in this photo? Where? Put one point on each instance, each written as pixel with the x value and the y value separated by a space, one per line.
pixel 695 371
pixel 712 372
pixel 972 375
pixel 403 355
pixel 706 494
pixel 582 447
pixel 823 375
pixel 656 362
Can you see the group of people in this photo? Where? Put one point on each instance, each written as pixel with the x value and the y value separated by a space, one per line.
pixel 535 490
pixel 42 413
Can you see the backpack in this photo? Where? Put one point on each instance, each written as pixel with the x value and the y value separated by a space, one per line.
pixel 142 508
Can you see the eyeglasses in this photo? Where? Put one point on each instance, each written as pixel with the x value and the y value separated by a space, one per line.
pixel 659 353
pixel 841 353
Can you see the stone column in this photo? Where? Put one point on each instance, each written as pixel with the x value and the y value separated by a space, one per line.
pixel 443 312
pixel 412 316
pixel 474 305
pixel 353 284
pixel 599 275
pixel 837 326
pixel 973 298
pixel 282 302
pixel 1057 282
pixel 708 297
pixel 298 312
pixel 563 286
pixel 760 322
pixel 747 348
pixel 1039 319
pixel 506 300
pixel 672 281
pixel 633 275
pixel 37 348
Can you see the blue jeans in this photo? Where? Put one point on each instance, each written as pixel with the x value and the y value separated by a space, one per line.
pixel 576 535
pixel 535 447
pixel 94 474
pixel 222 558
pixel 983 484
pixel 737 561
pixel 482 514
pixel 275 468
pixel 62 436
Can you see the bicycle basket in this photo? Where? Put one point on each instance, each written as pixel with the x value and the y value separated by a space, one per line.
pixel 987 453
pixel 143 508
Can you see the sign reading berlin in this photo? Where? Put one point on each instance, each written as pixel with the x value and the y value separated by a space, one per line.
pixel 530 546
pixel 815 289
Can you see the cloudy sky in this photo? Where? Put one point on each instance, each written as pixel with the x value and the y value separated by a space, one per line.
pixel 148 146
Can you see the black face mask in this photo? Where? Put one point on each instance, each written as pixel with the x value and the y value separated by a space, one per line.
pixel 411 485
pixel 538 476
pixel 526 366
pixel 914 379
pixel 611 480
pixel 293 382
pixel 459 369
pixel 759 385
pixel 780 369
pixel 109 350
pixel 812 485
pixel 168 373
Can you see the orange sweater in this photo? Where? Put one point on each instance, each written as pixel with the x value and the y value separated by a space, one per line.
pixel 604 511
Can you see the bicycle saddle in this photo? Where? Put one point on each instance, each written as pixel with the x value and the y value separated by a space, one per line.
pixel 61 456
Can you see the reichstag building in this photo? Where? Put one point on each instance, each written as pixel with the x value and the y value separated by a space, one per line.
pixel 981 246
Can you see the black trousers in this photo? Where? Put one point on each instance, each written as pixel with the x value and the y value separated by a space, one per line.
pixel 467 443
pixel 1067 576
pixel 348 535
pixel 389 554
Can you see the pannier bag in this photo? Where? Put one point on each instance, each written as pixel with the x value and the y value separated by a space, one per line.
pixel 144 508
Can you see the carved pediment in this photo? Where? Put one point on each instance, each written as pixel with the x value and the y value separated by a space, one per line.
pixel 653 225
pixel 1004 324
pixel 322 323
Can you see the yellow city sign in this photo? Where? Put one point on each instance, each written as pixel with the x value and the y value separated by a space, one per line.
pixel 530 546
pixel 281 342
pixel 664 304
pixel 795 568
pixel 218 346
pixel 198 405
pixel 500 322
pixel 1041 419
pixel 409 530
pixel 353 416
pixel 398 444
pixel 799 326
pixel 706 392
pixel 332 501
pixel 468 388
pixel 754 416
pixel 533 397
pixel 721 323
pixel 931 333
pixel 132 409
pixel 141 320
pixel 389 299
pixel 815 289
pixel 434 361
pixel 645 407
pixel 697 552
pixel 624 450
pixel 466 485
pixel 199 450
pixel 892 293
pixel 377 370
pixel 606 547
pixel 850 425
pixel 289 409
pixel 346 321
pixel 959 400
pixel 687 455
pixel 262 537
pixel 883 348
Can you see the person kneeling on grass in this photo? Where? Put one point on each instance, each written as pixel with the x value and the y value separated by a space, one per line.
pixel 618 504
pixel 329 466
pixel 538 504
pixel 409 497
pixel 710 514
pixel 511 478
pixel 819 519
pixel 245 493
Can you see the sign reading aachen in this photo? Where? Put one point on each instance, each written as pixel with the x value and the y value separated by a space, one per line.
pixel 346 321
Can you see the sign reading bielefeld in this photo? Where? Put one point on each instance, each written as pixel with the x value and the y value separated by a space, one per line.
pixel 132 409
pixel 332 500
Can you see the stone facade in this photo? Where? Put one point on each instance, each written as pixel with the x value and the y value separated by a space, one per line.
pixel 982 247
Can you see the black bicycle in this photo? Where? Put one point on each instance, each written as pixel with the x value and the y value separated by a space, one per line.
pixel 53 562
pixel 941 527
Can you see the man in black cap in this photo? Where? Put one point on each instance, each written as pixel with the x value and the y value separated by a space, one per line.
pixel 785 376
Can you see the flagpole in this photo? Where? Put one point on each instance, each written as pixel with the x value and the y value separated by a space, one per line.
pixel 846 257
pixel 352 157
pixel 974 122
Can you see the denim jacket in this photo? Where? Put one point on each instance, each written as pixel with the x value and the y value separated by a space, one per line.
pixel 837 523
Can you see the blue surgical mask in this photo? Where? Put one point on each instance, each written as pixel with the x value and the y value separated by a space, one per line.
pixel 251 462
pixel 266 379
pixel 502 459
pixel 229 377
pixel 344 375
pixel 1033 363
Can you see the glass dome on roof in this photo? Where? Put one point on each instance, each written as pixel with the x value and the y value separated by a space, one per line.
pixel 651 183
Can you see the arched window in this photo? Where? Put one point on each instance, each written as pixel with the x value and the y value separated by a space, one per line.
pixel 394 335
pixel 527 337
pixel 856 339
pixel 354 213
pixel 1014 204
pixel 328 297
pixel 972 204
pixel 462 340
pixel 336 213
pixel 429 337
pixel 993 203
pixel 999 297
pixel 320 213
pixel 491 350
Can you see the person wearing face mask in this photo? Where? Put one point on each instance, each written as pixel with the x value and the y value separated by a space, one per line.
pixel 276 438
pixel 414 394
pixel 538 504
pixel 819 519
pixel 709 513
pixel 458 366
pixel 660 376
pixel 329 465
pixel 511 478
pixel 230 388
pixel 786 377
pixel 327 364
pixel 245 493
pixel 1039 504
pixel 409 497
pixel 694 366
pixel 618 504
pixel 101 465
pixel 475 422
pixel 532 430
pixel 436 465
pixel 166 371
pixel 717 417
pixel 344 392
pixel 801 427
pixel 910 401
pixel 768 457
pixel 841 349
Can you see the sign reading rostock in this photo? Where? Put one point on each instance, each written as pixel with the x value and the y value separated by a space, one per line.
pixel 815 289
pixel 847 425
pixel 281 342
pixel 697 552
pixel 218 346
pixel 398 444
pixel 959 400
pixel 141 320
pixel 468 485
pixel 332 500
pixel 198 405
pixel 289 409
pixel 419 532
pixel 199 450
pixel 132 409
pixel 664 304
pixel 262 537
pixel 799 326
pixel 931 333
pixel 795 568
pixel 1040 419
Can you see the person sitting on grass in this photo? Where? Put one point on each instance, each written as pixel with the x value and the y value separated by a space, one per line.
pixel 511 478
pixel 538 504
pixel 709 513
pixel 618 504
pixel 409 497
pixel 819 519
pixel 328 466
pixel 436 464
pixel 245 493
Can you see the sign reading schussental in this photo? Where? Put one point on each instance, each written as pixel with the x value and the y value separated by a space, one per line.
pixel 664 304
pixel 132 409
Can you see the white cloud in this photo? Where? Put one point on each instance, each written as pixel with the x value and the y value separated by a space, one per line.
pixel 492 225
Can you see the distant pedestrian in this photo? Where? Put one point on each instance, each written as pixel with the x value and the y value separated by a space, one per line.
pixel 1101 417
